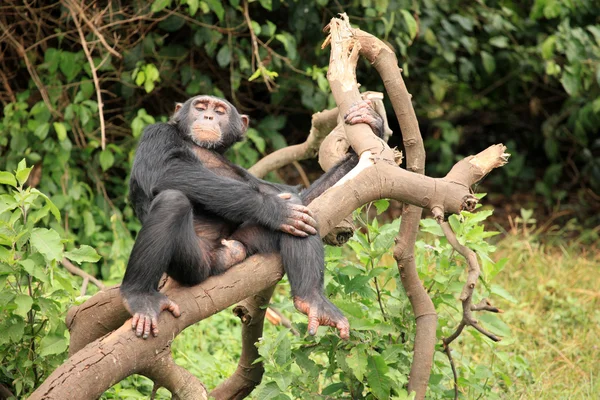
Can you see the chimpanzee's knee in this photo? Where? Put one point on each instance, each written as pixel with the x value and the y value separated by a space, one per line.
pixel 172 201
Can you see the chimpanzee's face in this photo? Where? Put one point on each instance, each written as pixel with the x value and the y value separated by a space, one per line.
pixel 211 122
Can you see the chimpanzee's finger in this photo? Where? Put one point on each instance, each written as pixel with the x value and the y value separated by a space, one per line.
pixel 303 209
pixel 292 231
pixel 147 324
pixel 285 196
pixel 139 330
pixel 344 328
pixel 313 322
pixel 134 321
pixel 172 307
pixel 304 217
pixel 154 326
pixel 298 224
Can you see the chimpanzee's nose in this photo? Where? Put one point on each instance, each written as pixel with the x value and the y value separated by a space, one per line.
pixel 209 116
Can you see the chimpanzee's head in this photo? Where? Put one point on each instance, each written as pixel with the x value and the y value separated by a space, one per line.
pixel 210 122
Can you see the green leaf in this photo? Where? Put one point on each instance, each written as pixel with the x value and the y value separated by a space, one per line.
pixel 160 5
pixel 499 41
pixel 52 344
pixel 255 27
pixel 22 172
pixel 268 4
pixel 53 208
pixel 34 270
pixel 570 83
pixel 24 303
pixel 47 242
pixel 500 291
pixel 431 226
pixel 70 66
pixel 268 392
pixel 489 63
pixel 224 56
pixel 107 159
pixel 193 7
pixel 42 130
pixel 83 254
pixel 283 354
pixel 217 7
pixel 258 141
pixel 548 47
pixel 15 330
pixel 411 24
pixel 255 75
pixel 333 388
pixel 61 130
pixel 152 73
pixel 6 178
pixel 140 78
pixel 379 383
pixel 381 205
pixel 88 223
pixel 357 361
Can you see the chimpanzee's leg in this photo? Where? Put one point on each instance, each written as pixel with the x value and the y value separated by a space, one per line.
pixel 304 262
pixel 166 243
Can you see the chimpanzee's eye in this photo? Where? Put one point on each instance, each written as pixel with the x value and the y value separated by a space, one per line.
pixel 220 110
pixel 200 106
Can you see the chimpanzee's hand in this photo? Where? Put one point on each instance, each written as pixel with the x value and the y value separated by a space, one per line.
pixel 299 220
pixel 362 112
pixel 145 308
pixel 322 312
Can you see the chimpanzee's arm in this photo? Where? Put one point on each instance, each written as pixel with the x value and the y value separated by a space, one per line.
pixel 329 178
pixel 234 200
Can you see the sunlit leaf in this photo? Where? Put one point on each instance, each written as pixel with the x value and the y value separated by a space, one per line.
pixel 47 242
pixel 84 253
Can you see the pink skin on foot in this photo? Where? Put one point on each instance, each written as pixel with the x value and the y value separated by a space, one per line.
pixel 316 318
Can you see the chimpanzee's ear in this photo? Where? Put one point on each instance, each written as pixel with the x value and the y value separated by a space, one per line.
pixel 178 107
pixel 245 122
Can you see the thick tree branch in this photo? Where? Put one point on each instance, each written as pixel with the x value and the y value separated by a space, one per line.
pixel 102 363
pixel 182 384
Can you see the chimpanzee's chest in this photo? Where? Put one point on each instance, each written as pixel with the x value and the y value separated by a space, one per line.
pixel 215 162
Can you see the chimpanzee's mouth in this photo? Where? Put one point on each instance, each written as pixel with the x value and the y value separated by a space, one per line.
pixel 206 135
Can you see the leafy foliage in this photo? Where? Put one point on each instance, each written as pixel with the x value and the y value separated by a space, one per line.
pixel 375 362
pixel 35 292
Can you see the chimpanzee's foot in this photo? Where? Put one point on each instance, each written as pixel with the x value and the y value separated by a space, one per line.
pixel 362 112
pixel 230 253
pixel 145 308
pixel 321 312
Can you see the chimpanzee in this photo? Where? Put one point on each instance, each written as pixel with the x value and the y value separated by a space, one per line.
pixel 201 214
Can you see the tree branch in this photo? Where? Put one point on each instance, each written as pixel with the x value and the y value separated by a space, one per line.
pixel 69 266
